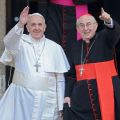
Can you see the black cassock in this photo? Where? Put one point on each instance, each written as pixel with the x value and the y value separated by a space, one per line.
pixel 112 7
pixel 84 93
pixel 61 19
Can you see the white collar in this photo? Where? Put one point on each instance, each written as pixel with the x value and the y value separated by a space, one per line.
pixel 30 40
pixel 34 41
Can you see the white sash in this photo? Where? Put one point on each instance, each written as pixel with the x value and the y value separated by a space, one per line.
pixel 35 82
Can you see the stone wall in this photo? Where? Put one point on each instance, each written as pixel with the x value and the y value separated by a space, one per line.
pixel 2 33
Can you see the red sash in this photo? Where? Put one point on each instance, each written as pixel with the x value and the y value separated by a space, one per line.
pixel 102 72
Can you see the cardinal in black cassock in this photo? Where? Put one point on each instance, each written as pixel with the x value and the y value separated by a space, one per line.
pixel 61 17
pixel 92 84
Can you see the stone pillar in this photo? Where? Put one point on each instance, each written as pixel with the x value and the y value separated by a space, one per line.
pixel 2 33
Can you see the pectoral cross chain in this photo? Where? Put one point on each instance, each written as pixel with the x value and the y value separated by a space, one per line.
pixel 37 66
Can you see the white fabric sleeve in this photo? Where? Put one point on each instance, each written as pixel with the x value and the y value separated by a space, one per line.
pixel 12 39
pixel 110 25
pixel 7 58
pixel 18 30
pixel 60 89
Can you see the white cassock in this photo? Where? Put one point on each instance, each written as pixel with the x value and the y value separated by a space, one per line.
pixel 37 90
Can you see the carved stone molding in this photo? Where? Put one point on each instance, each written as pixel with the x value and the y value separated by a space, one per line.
pixel 2 33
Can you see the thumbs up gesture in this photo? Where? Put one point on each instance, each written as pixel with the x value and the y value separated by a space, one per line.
pixel 105 16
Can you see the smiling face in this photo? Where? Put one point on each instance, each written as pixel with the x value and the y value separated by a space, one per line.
pixel 87 26
pixel 36 26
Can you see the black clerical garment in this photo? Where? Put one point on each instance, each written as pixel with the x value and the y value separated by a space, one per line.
pixel 112 7
pixel 61 19
pixel 84 94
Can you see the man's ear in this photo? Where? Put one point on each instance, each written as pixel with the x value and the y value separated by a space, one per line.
pixel 96 26
pixel 45 27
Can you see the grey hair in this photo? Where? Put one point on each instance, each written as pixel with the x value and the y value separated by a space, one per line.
pixel 38 14
pixel 91 16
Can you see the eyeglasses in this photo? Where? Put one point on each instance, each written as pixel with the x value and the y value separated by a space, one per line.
pixel 87 25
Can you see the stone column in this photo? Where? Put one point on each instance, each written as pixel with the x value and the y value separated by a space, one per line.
pixel 2 33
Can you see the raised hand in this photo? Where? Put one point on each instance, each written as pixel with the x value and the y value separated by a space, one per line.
pixel 105 16
pixel 23 17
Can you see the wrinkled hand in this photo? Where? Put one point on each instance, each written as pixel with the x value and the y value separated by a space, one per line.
pixel 23 17
pixel 67 100
pixel 105 16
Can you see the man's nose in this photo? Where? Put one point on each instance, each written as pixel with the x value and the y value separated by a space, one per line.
pixel 37 27
pixel 85 27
